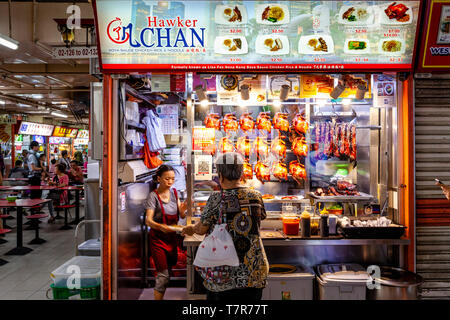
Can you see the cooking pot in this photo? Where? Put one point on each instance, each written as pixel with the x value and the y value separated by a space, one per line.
pixel 396 284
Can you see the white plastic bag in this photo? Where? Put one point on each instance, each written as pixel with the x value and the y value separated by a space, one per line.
pixel 217 249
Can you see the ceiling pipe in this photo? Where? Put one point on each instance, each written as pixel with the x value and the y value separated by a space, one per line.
pixel 44 91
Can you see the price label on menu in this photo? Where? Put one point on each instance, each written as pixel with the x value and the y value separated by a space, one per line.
pixel 235 31
pixel 235 59
pixel 391 33
pixel 277 30
pixel 396 59
pixel 276 59
pixel 320 59
pixel 359 59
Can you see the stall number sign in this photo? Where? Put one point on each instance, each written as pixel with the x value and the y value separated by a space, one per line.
pixel 65 132
pixel 74 52
pixel 83 134
pixel 31 128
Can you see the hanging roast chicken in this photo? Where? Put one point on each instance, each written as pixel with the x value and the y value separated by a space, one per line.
pixel 263 122
pixel 353 143
pixel 278 147
pixel 244 146
pixel 262 171
pixel 300 147
pixel 300 124
pixel 280 121
pixel 212 120
pixel 297 170
pixel 246 122
pixel 261 148
pixel 248 171
pixel 225 145
pixel 230 123
pixel 279 170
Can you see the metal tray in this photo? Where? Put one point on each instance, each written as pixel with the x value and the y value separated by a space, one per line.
pixel 372 232
pixel 362 197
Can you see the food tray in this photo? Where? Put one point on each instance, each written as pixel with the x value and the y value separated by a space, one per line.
pixel 277 199
pixel 393 232
pixel 362 197
pixel 271 234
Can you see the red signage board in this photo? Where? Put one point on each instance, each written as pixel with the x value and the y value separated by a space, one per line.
pixel 65 132
pixel 435 48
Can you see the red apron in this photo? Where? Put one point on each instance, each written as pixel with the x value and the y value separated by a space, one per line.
pixel 163 246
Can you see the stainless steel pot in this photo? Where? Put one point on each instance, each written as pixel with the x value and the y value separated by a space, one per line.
pixel 396 284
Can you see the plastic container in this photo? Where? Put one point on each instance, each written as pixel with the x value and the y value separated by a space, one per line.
pixel 90 248
pixel 90 272
pixel 291 225
pixel 290 286
pixel 87 293
pixel 342 282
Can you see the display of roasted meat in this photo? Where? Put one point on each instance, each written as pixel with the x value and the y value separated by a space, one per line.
pixel 278 147
pixel 225 145
pixel 300 147
pixel 265 14
pixel 263 122
pixel 246 122
pixel 230 123
pixel 244 146
pixel 352 143
pixel 280 121
pixel 345 141
pixel 397 11
pixel 345 185
pixel 248 171
pixel 262 171
pixel 297 170
pixel 329 144
pixel 212 120
pixel 279 170
pixel 337 140
pixel 261 147
pixel 300 124
pixel 342 188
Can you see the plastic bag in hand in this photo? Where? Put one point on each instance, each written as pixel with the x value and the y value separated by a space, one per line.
pixel 217 249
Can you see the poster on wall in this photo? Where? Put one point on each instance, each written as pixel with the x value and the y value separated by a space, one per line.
pixel 252 88
pixel 444 26
pixel 255 35
pixel 435 44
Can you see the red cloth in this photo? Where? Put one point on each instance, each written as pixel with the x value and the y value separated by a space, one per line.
pixel 151 159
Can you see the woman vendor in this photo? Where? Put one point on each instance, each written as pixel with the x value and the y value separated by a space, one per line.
pixel 163 210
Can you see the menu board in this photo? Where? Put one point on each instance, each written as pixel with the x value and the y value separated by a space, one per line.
pixel 58 140
pixel 256 35
pixel 83 134
pixel 65 132
pixel 39 139
pixel 32 128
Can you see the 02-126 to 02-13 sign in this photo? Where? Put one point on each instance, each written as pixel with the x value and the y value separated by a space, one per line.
pixel 74 52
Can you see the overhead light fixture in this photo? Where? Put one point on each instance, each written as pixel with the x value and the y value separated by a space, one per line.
pixel 277 103
pixel 245 92
pixel 204 103
pixel 284 92
pixel 8 42
pixel 57 114
pixel 337 91
pixel 67 35
pixel 24 105
pixel 243 103
pixel 2 102
pixel 346 102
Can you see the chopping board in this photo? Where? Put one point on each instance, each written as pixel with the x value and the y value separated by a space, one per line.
pixel 271 234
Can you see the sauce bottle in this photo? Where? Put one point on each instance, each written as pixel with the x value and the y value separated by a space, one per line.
pixel 306 224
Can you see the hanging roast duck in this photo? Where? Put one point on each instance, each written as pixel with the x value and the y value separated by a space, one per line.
pixel 280 121
pixel 279 170
pixel 230 123
pixel 212 120
pixel 248 171
pixel 263 122
pixel 300 124
pixel 262 171
pixel 246 122
pixel 244 146
pixel 278 147
pixel 225 145
pixel 261 147
pixel 300 147
pixel 297 170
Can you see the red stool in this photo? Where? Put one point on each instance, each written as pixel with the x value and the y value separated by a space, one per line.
pixel 5 217
pixel 66 208
pixel 35 223
pixel 4 231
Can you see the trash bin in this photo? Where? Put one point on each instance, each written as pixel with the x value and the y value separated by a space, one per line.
pixel 296 285
pixel 396 284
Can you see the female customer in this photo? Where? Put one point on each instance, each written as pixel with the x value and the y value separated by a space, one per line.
pixel 163 209
pixel 242 209
pixel 61 179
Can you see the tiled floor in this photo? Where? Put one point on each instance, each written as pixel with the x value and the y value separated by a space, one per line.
pixel 28 277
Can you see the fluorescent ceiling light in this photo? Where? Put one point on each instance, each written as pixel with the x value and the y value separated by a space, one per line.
pixel 2 102
pixel 57 114
pixel 8 42
pixel 24 105
pixel 277 103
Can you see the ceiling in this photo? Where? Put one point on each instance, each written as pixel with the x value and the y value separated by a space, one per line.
pixel 33 82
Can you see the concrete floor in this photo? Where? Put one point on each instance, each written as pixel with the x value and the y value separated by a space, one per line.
pixel 28 277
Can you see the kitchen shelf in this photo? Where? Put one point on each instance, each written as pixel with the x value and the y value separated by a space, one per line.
pixel 350 199
pixel 137 95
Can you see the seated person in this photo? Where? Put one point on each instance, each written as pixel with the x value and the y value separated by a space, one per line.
pixel 60 197
pixel 75 173
pixel 18 171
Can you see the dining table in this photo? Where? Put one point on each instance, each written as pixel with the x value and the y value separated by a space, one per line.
pixel 21 204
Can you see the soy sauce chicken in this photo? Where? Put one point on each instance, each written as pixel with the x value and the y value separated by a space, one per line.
pixel 246 122
pixel 279 170
pixel 243 146
pixel 213 121
pixel 300 147
pixel 225 145
pixel 262 172
pixel 300 124
pixel 263 122
pixel 278 147
pixel 280 121
pixel 248 171
pixel 261 148
pixel 297 170
pixel 230 123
